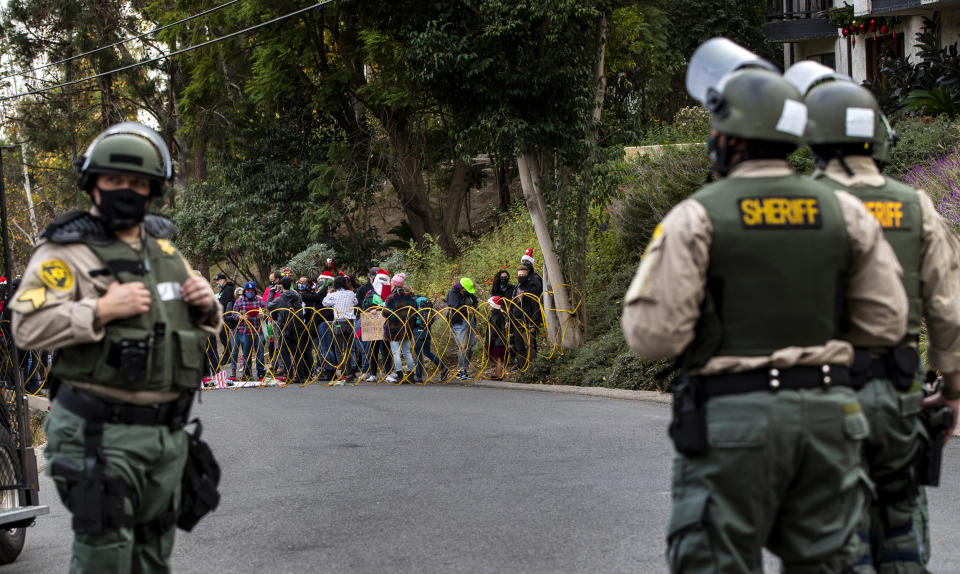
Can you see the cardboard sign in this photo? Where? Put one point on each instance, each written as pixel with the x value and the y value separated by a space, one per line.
pixel 371 325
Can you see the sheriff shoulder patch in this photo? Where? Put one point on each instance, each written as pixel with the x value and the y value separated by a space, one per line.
pixel 166 246
pixel 56 274
pixel 780 213
pixel 888 213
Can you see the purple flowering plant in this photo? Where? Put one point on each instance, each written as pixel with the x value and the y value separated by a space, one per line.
pixel 940 178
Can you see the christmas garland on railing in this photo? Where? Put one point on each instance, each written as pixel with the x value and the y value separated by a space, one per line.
pixel 851 26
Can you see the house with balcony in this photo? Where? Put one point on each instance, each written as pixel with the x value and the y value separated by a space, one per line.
pixel 872 29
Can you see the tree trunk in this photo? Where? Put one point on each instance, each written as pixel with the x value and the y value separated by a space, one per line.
pixel 502 171
pixel 456 194
pixel 566 320
pixel 599 78
pixel 28 190
pixel 407 178
pixel 549 315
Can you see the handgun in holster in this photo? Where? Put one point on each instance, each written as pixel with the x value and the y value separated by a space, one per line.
pixel 688 428
pixel 937 421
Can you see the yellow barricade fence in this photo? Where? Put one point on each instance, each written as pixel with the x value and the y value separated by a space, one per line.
pixel 310 346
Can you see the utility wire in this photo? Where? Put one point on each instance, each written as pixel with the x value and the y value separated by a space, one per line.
pixel 170 55
pixel 130 39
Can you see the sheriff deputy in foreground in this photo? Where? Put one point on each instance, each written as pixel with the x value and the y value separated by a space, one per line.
pixel 130 320
pixel 758 282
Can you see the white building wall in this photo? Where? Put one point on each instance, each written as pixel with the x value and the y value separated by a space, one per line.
pixel 909 27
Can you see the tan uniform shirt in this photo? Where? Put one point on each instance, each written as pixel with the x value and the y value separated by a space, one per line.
pixel 939 267
pixel 56 303
pixel 662 305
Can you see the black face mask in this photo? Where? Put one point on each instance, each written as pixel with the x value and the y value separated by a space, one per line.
pixel 521 279
pixel 122 209
pixel 504 280
pixel 718 156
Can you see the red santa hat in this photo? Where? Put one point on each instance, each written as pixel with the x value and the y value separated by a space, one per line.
pixel 326 275
pixel 496 302
pixel 381 283
pixel 527 257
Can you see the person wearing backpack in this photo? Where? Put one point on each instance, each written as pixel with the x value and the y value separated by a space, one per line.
pixel 423 339
pixel 400 305
pixel 283 311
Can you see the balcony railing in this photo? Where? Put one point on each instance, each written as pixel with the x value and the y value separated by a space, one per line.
pixel 779 10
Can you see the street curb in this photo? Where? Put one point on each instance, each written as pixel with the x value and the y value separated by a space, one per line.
pixel 622 394
pixel 41 460
pixel 38 403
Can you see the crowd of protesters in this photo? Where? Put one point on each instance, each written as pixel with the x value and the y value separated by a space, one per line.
pixel 314 327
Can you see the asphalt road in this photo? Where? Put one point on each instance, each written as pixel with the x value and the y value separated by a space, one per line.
pixel 435 479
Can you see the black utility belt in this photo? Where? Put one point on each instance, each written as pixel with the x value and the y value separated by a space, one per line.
pixel 773 380
pixel 173 414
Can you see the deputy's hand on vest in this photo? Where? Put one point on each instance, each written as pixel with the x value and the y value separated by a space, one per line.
pixel 123 300
pixel 196 292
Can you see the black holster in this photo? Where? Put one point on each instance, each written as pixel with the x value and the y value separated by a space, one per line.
pixel 96 500
pixel 688 428
pixel 903 364
pixel 201 476
pixel 937 421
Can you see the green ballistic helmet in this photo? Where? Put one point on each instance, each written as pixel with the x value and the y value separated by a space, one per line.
pixel 844 113
pixel 127 148
pixel 757 104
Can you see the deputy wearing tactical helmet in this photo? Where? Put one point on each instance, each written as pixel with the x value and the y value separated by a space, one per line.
pixel 753 282
pixel 109 290
pixel 845 129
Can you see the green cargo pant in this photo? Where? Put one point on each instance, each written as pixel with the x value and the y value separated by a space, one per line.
pixel 896 436
pixel 783 471
pixel 150 459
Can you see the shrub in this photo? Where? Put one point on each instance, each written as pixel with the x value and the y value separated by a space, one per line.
pixel 604 300
pixel 921 140
pixel 802 161
pixel 606 361
pixel 653 185
pixel 431 271
pixel 689 125
pixel 941 179
pixel 311 261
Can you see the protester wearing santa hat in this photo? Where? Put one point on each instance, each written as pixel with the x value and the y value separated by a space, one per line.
pixel 364 347
pixel 525 315
pixel 380 358
pixel 497 335
pixel 400 311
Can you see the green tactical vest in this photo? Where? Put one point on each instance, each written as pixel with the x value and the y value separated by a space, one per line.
pixel 897 209
pixel 160 350
pixel 779 260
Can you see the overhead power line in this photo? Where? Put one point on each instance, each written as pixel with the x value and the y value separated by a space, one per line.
pixel 170 55
pixel 130 39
